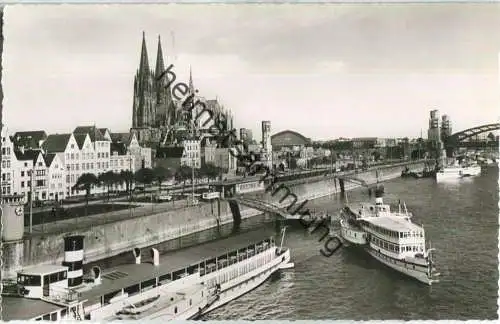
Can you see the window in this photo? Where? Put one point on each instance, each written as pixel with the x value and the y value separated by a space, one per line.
pixel 22 184
pixel 72 156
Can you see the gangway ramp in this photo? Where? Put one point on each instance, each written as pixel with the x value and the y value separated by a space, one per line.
pixel 265 206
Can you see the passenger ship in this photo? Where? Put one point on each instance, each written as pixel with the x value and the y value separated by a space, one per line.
pixel 458 171
pixel 140 291
pixel 389 237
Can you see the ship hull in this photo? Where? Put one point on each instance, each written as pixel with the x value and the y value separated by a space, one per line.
pixel 244 284
pixel 415 271
pixel 459 173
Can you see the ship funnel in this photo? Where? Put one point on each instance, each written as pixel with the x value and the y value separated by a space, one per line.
pixel 379 191
pixel 156 257
pixel 96 275
pixel 137 255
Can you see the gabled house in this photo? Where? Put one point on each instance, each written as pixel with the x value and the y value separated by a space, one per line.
pixel 142 155
pixel 56 177
pixel 66 147
pixel 30 174
pixel 8 164
pixel 121 160
pixel 101 145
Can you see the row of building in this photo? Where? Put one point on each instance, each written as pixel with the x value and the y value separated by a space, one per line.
pixel 50 165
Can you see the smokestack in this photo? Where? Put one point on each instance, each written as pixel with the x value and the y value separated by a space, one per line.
pixel 137 255
pixel 156 257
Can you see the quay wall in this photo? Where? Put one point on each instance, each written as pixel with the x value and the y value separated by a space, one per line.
pixel 106 240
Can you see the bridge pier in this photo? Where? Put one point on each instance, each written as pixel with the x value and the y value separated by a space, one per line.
pixel 236 211
pixel 341 185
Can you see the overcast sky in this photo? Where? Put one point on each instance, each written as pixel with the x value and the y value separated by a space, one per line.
pixel 323 70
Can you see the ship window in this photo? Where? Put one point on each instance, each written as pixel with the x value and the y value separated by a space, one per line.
pixel 165 277
pixel 53 317
pixel 132 290
pixel 175 310
pixel 46 317
pixel 38 319
pixel 63 313
pixel 29 280
pixel 148 283
pixel 54 278
pixel 190 302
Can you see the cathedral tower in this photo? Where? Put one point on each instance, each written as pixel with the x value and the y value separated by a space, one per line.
pixel 144 108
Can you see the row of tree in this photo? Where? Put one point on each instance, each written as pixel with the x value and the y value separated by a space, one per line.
pixel 145 176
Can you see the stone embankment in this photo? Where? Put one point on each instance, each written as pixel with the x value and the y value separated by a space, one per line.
pixel 107 240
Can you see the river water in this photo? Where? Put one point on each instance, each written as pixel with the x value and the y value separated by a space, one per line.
pixel 461 220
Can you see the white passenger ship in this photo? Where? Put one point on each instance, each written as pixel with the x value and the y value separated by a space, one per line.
pixel 139 291
pixel 458 171
pixel 389 237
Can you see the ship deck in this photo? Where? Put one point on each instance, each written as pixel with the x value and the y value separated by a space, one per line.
pixel 396 224
pixel 20 308
pixel 126 275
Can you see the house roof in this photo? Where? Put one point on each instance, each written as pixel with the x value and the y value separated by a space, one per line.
pixel 29 139
pixel 119 147
pixel 80 139
pixel 94 133
pixel 121 137
pixel 56 143
pixel 49 158
pixel 103 131
pixel 27 155
pixel 169 152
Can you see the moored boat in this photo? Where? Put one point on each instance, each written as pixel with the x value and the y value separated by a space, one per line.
pixel 389 237
pixel 458 171
pixel 140 291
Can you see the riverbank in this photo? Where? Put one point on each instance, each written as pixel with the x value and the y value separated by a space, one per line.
pixel 113 238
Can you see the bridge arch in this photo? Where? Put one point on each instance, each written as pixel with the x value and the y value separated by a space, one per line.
pixel 453 141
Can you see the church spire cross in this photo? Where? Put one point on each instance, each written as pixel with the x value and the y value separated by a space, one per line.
pixel 144 64
pixel 191 86
pixel 160 65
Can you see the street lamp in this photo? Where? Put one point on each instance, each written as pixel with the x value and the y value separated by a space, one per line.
pixel 31 200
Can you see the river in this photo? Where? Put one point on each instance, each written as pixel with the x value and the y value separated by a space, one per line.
pixel 461 220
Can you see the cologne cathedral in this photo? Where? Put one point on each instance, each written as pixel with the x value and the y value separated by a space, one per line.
pixel 157 118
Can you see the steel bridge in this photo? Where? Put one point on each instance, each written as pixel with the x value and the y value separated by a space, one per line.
pixel 456 140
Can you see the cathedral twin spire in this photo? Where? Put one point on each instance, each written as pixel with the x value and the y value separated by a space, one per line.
pixel 153 105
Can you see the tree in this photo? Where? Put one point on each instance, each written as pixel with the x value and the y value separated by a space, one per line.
pixel 182 174
pixel 85 182
pixel 210 171
pixel 161 174
pixel 144 176
pixel 108 179
pixel 127 177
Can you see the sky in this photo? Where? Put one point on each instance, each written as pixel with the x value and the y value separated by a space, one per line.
pixel 325 71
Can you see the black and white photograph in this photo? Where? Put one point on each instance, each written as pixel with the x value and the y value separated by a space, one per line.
pixel 259 161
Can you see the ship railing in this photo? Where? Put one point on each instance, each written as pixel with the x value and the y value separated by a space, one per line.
pixel 9 287
pixel 63 295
